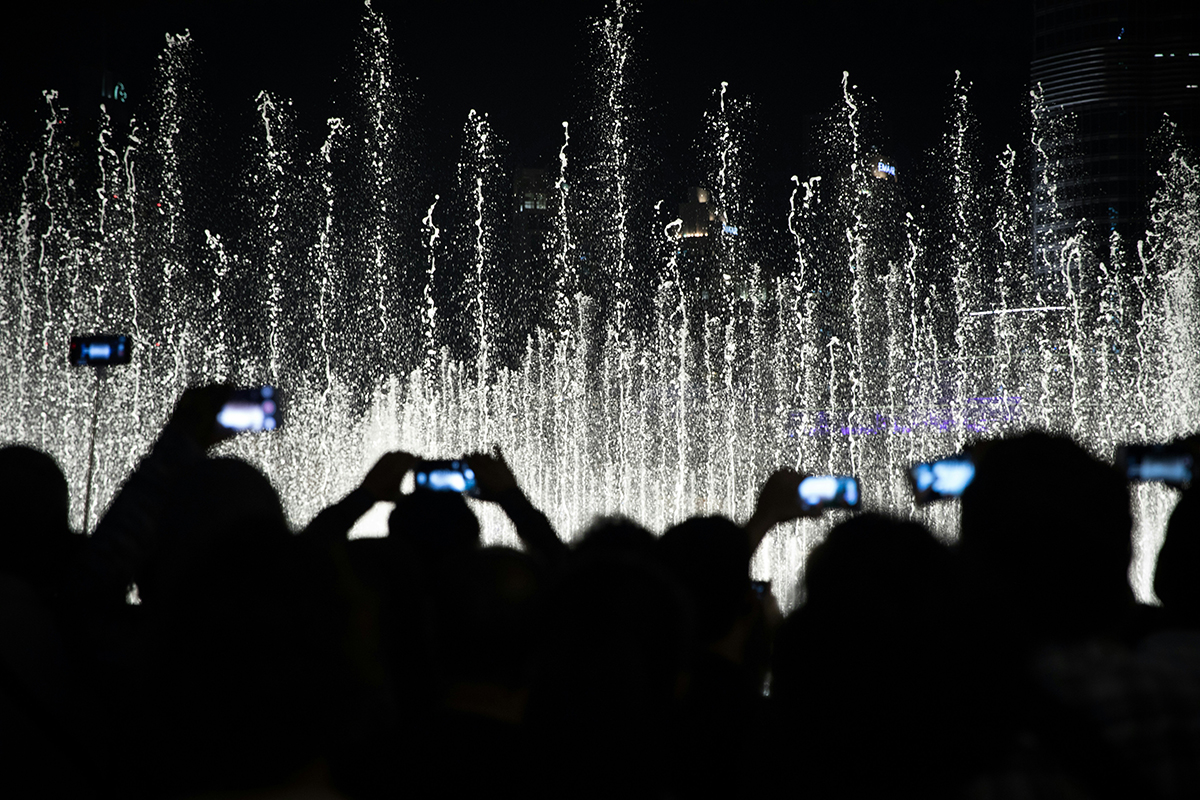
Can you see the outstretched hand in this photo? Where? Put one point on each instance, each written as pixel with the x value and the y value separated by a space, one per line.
pixel 493 476
pixel 778 501
pixel 195 414
pixel 383 479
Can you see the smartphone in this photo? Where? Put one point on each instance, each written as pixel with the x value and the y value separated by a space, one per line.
pixel 1172 464
pixel 829 491
pixel 254 409
pixel 940 479
pixel 445 476
pixel 100 351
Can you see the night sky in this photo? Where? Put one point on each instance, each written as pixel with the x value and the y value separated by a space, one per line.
pixel 524 63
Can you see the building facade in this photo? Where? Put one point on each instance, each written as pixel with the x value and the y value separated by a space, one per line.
pixel 1108 73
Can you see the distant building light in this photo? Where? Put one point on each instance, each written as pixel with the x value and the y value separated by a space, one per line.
pixel 533 202
pixel 1193 86
pixel 113 89
pixel 1158 55
pixel 1194 55
pixel 1121 34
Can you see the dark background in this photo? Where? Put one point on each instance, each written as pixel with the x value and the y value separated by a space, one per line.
pixel 525 64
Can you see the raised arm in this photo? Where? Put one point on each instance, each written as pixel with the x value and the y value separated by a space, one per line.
pixel 381 484
pixel 128 534
pixel 497 484
pixel 778 501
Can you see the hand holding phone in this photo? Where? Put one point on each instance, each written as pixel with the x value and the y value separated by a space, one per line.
pixel 777 498
pixel 195 414
pixel 942 478
pixel 493 476
pixel 819 492
pixel 778 501
pixel 382 481
pixel 100 351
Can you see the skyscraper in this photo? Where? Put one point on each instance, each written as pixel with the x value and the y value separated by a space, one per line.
pixel 1109 70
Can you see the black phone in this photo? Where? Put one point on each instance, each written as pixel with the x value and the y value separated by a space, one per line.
pixel 256 409
pixel 100 351
pixel 941 478
pixel 445 476
pixel 1172 464
pixel 829 491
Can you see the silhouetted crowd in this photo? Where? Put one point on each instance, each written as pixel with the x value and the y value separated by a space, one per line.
pixel 193 645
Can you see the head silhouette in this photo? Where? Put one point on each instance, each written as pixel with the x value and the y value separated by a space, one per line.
pixel 437 526
pixel 214 496
pixel 870 561
pixel 1046 530
pixel 615 535
pixel 34 505
pixel 218 491
pixel 872 583
pixel 865 669
pixel 710 556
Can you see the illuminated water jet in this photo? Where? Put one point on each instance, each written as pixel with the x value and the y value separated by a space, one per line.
pixel 667 375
